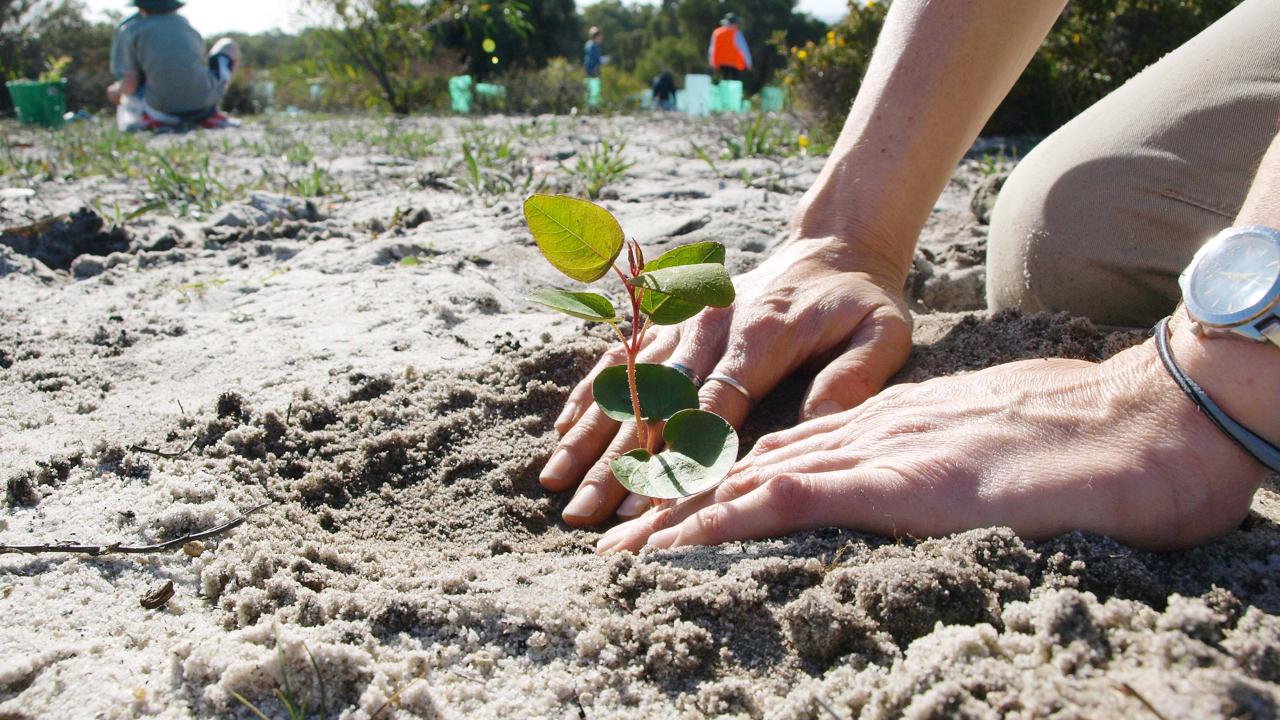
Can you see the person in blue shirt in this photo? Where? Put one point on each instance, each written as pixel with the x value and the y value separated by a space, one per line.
pixel 593 53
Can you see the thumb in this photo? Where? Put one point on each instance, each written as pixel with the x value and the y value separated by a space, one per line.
pixel 876 351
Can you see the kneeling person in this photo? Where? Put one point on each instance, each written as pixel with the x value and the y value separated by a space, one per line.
pixel 157 55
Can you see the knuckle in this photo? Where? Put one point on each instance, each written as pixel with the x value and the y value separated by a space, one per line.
pixel 790 494
pixel 738 485
pixel 714 521
pixel 769 443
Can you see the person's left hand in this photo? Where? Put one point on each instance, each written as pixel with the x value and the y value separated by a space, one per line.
pixel 1042 446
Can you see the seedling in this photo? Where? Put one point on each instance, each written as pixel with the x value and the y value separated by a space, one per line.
pixel 583 240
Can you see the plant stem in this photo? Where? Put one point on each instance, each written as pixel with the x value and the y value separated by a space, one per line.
pixel 633 350
pixel 642 429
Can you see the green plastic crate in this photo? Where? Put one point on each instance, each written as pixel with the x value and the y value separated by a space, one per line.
pixel 39 103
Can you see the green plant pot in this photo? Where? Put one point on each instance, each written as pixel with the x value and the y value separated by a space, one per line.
pixel 39 103
pixel 460 93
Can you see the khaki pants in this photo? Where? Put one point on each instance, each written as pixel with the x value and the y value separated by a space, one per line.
pixel 1100 218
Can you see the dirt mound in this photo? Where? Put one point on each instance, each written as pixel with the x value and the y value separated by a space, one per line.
pixel 59 240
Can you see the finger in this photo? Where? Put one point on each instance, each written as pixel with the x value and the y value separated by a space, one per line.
pixel 579 400
pixel 633 534
pixel 785 504
pixel 876 351
pixel 703 340
pixel 633 506
pixel 600 492
pixel 578 449
pixel 657 346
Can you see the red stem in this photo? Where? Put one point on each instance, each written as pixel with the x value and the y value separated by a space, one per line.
pixel 633 350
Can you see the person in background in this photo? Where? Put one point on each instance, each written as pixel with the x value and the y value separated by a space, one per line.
pixel 158 57
pixel 593 53
pixel 728 54
pixel 664 90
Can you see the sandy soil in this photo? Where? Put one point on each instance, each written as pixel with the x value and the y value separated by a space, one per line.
pixel 394 415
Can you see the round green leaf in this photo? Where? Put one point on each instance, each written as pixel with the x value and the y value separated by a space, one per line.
pixel 581 239
pixel 701 449
pixel 663 392
pixel 585 305
pixel 700 284
pixel 663 309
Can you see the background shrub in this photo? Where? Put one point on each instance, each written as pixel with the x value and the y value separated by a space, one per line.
pixel 1095 46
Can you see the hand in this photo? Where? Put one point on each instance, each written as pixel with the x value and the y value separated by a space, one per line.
pixel 810 301
pixel 1042 446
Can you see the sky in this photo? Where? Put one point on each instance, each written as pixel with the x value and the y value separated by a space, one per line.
pixel 252 16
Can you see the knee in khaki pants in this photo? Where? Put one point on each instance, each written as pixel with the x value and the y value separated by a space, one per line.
pixel 1073 232
pixel 1101 217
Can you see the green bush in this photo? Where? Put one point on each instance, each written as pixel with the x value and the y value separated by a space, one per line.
pixel 1093 49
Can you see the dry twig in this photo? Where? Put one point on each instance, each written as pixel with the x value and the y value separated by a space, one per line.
pixel 165 453
pixel 112 548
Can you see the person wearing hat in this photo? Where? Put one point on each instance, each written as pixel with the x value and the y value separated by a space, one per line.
pixel 157 56
pixel 728 53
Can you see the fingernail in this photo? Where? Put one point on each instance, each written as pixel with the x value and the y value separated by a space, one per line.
pixel 584 503
pixel 569 412
pixel 663 538
pixel 609 541
pixel 827 407
pixel 633 506
pixel 557 467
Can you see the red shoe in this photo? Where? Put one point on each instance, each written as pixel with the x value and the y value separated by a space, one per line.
pixel 218 121
pixel 150 123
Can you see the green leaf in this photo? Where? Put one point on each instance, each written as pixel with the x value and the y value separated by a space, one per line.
pixel 698 285
pixel 663 392
pixel 581 239
pixel 585 305
pixel 663 309
pixel 692 254
pixel 701 449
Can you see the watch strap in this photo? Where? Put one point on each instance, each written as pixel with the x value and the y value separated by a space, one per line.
pixel 1271 330
pixel 1261 450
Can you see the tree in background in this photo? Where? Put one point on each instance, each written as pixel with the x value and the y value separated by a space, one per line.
pixel 1095 46
pixel 558 34
pixel 393 41
pixel 35 32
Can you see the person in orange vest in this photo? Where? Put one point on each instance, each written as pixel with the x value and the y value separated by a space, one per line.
pixel 728 53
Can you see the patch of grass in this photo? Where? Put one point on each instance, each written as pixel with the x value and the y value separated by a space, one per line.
pixel 295 709
pixel 600 166
pixel 314 181
pixel 188 188
pixel 492 165
pixel 762 136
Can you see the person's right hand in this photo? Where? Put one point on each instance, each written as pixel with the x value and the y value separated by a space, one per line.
pixel 813 300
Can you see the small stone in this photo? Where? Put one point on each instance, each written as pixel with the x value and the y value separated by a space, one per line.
pixel 195 548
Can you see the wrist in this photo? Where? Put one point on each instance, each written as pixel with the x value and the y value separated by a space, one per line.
pixel 1240 375
pixel 849 253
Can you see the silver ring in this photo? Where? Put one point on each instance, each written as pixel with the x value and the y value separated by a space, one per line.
pixel 686 371
pixel 733 384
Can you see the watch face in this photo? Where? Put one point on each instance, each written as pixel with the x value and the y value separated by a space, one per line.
pixel 1237 274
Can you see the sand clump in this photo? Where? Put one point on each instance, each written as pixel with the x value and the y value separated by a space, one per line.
pixel 394 416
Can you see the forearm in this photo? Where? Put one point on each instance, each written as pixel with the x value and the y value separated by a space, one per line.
pixel 1241 375
pixel 129 83
pixel 938 72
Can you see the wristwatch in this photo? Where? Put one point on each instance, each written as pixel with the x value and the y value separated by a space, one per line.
pixel 1233 284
